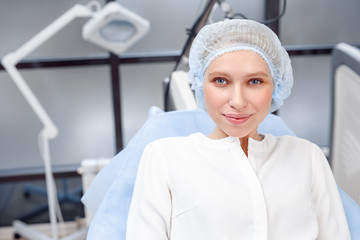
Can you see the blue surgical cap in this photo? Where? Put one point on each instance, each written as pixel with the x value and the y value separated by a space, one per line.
pixel 226 36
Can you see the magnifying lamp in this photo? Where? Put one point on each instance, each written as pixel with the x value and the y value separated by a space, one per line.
pixel 113 28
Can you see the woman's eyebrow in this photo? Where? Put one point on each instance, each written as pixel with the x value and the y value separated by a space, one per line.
pixel 258 74
pixel 218 73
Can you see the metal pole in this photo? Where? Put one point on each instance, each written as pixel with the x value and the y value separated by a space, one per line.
pixel 272 9
pixel 116 94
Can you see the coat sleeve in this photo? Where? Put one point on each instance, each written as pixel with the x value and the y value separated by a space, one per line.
pixel 332 221
pixel 150 209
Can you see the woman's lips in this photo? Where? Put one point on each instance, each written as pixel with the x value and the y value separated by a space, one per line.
pixel 237 119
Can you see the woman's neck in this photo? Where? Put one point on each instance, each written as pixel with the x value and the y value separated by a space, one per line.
pixel 244 141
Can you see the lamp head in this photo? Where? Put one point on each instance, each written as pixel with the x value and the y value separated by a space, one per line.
pixel 115 28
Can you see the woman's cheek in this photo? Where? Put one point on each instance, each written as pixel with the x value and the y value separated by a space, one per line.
pixel 214 96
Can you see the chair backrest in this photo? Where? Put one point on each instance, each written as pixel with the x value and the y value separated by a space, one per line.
pixel 179 95
pixel 345 139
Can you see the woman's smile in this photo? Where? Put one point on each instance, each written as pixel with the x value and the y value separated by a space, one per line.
pixel 237 119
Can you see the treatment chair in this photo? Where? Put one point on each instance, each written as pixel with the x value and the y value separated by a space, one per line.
pixel 109 195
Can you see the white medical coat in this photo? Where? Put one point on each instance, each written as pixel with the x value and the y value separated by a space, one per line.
pixel 204 189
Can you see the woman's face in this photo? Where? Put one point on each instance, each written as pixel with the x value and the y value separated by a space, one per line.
pixel 238 90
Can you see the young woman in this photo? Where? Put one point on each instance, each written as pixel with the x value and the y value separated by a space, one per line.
pixel 236 183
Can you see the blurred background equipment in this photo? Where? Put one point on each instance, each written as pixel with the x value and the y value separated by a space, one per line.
pixel 345 144
pixel 105 18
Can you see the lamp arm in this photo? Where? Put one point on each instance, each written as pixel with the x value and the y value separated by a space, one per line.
pixel 10 60
pixel 76 11
pixel 50 130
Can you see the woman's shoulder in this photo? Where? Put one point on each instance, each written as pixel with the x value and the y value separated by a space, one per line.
pixel 174 149
pixel 175 140
pixel 298 150
pixel 293 139
pixel 289 141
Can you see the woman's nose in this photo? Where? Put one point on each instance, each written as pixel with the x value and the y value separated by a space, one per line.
pixel 237 99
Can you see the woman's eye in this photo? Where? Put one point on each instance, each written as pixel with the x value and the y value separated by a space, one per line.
pixel 220 81
pixel 254 81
